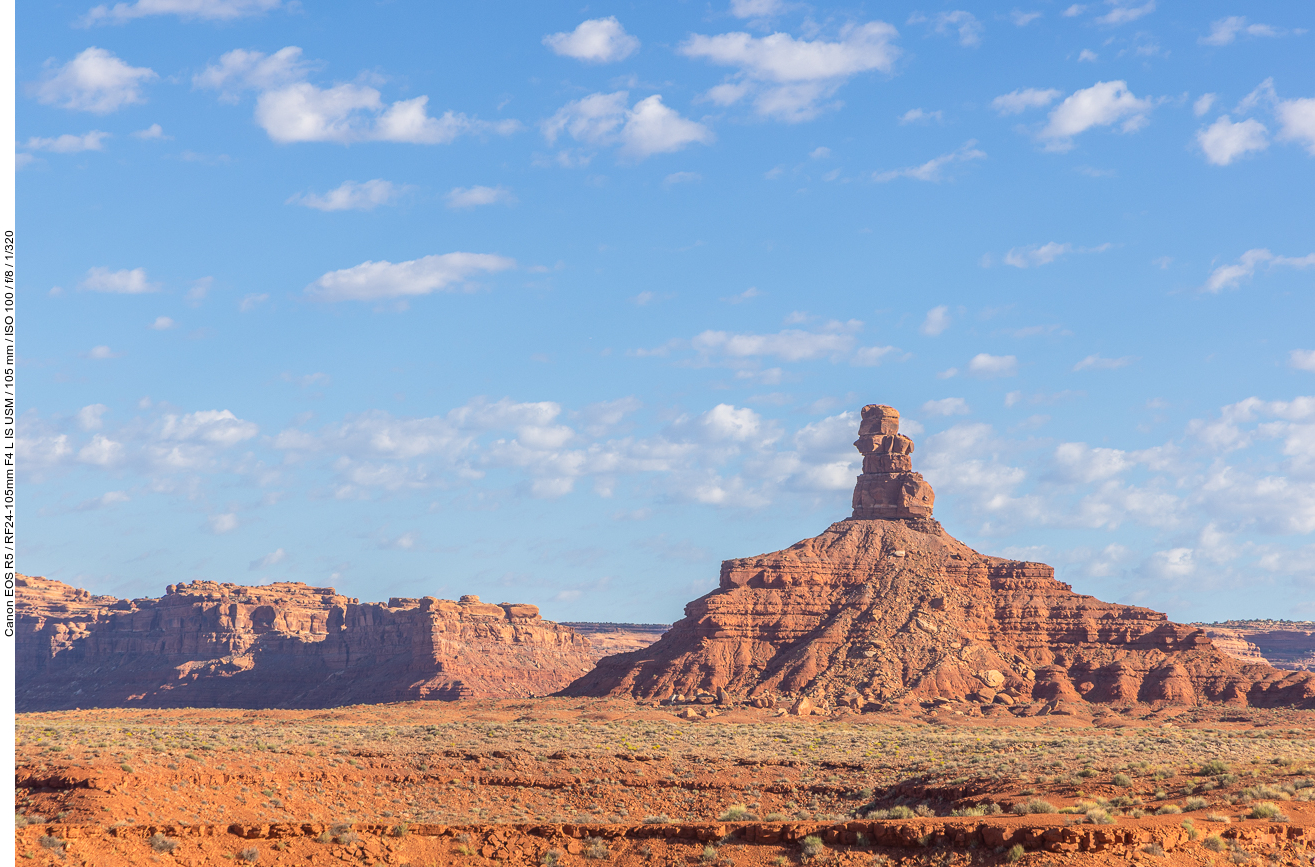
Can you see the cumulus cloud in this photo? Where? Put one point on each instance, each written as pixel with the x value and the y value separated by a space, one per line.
pixel 351 196
pixel 205 10
pixel 1019 101
pixel 988 366
pixel 756 8
pixel 273 557
pixel 936 321
pixel 918 115
pixel 68 144
pixel 473 197
pixel 102 353
pixel 1297 122
pixel 788 345
pixel 1302 359
pixel 96 81
pixel 605 119
pixel 291 109
pixel 1105 103
pixel 1203 103
pixel 162 323
pixel 958 22
pixel 598 40
pixel 123 282
pixel 374 281
pixel 1225 31
pixel 934 169
pixel 92 417
pixel 224 523
pixel 1230 276
pixel 154 132
pixel 791 79
pixel 1224 141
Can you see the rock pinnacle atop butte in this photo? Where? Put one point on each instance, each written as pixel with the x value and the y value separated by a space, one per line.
pixel 885 608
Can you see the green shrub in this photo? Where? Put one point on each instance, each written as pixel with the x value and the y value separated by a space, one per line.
pixel 1192 804
pixel 1034 805
pixel 596 849
pixel 737 813
pixel 924 811
pixel 811 847
pixel 1213 768
pixel 1122 780
pixel 659 819
pixel 1097 816
pixel 1168 810
pixel 1015 853
pixel 709 854
pixel 1266 810
pixel 1214 843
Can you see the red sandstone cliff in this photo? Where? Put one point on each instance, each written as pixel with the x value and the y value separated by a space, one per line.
pixel 1282 643
pixel 887 606
pixel 282 645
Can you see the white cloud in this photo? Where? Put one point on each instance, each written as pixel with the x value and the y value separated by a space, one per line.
pixel 1097 362
pixel 373 281
pixel 933 169
pixel 472 197
pixel 1302 359
pixel 1229 276
pixel 936 321
pixel 206 10
pixel 1226 30
pixel 756 8
pixel 1044 254
pixel 162 323
pixel 153 132
pixel 251 301
pixel 790 78
pixel 946 407
pixel 598 40
pixel 241 69
pixel 789 345
pixel 217 427
pixel 1203 103
pixel 102 353
pixel 224 523
pixel 96 81
pixel 917 115
pixel 104 501
pixel 1022 19
pixel 603 119
pixel 101 451
pixel 871 356
pixel 351 196
pixel 270 559
pixel 961 22
pixel 992 366
pixel 1122 13
pixel 1297 122
pixel 1088 56
pixel 92 417
pixel 1077 462
pixel 69 144
pixel 1019 101
pixel 1103 104
pixel 123 282
pixel 1224 141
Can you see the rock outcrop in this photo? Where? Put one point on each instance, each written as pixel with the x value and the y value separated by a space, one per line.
pixel 886 607
pixel 284 645
pixel 1285 644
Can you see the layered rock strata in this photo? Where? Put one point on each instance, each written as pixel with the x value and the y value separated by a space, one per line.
pixel 284 645
pixel 1282 643
pixel 878 611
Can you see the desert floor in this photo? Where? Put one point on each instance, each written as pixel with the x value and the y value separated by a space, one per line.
pixel 569 781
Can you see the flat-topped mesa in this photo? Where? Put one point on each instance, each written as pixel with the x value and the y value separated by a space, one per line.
pixel 888 487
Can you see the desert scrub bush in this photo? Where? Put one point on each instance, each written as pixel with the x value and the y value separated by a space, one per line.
pixel 399 830
pixel 48 842
pixel 709 854
pixel 1213 768
pixel 1153 849
pixel 811 847
pixel 1193 804
pixel 1266 792
pixel 1168 810
pixel 737 813
pixel 126 768
pixel 161 843
pixel 1266 810
pixel 923 810
pixel 1015 853
pixel 1190 827
pixel 1033 805
pixel 1122 780
pixel 1099 816
pixel 1239 857
pixel 1217 817
pixel 659 819
pixel 897 812
pixel 1214 843
pixel 250 854
pixel 595 849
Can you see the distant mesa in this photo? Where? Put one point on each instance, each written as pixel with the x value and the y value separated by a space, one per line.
pixel 283 645
pixel 885 610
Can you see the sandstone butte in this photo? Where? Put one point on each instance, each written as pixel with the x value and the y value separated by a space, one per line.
pixel 885 608
pixel 284 645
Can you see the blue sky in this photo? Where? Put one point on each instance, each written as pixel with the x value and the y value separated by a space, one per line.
pixel 565 304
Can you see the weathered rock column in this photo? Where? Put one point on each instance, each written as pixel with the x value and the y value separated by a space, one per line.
pixel 888 487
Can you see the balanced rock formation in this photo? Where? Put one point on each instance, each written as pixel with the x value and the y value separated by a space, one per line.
pixel 284 645
pixel 886 607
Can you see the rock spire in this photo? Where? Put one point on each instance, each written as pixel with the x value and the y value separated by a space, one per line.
pixel 888 487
